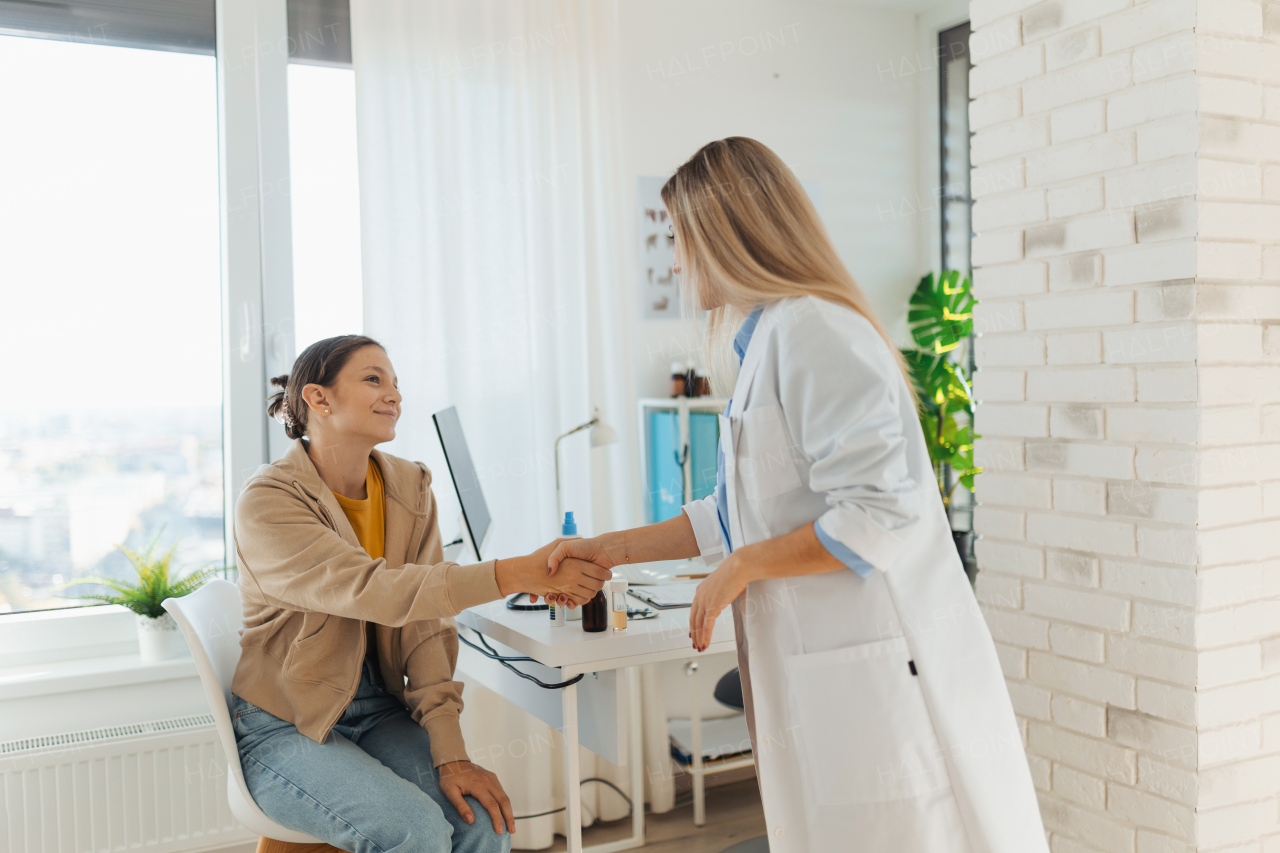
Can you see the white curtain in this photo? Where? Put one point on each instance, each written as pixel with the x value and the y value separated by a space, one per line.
pixel 492 230
pixel 491 203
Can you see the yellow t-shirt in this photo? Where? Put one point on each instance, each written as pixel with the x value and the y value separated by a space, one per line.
pixel 368 518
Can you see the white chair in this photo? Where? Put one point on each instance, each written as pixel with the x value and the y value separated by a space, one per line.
pixel 211 619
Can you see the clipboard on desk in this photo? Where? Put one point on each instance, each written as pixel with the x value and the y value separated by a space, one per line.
pixel 667 596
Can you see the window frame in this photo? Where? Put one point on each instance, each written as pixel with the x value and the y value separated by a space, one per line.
pixel 960 510
pixel 944 197
pixel 929 25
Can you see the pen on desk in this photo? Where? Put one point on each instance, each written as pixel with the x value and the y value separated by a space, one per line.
pixel 693 577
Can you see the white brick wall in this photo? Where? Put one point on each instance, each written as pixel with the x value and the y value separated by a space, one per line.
pixel 1127 186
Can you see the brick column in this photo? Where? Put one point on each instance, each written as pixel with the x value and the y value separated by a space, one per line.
pixel 1127 177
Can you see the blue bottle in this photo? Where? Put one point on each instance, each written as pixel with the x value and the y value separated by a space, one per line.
pixel 560 615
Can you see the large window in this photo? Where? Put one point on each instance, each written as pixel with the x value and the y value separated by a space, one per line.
pixel 111 395
pixel 957 205
pixel 957 210
pixel 110 330
pixel 324 189
pixel 324 192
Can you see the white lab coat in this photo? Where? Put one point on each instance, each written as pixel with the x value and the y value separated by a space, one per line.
pixel 853 751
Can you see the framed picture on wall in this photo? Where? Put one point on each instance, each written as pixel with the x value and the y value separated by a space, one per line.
pixel 659 285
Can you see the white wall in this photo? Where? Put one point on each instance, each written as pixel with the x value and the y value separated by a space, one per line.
pixel 825 101
pixel 836 99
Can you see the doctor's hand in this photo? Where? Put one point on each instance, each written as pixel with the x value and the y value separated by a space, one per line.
pixel 716 592
pixel 591 550
pixel 459 778
pixel 572 553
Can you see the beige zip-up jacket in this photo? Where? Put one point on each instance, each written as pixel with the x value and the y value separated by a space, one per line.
pixel 309 588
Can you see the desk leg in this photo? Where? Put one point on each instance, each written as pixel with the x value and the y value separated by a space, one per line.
pixel 572 772
pixel 699 777
pixel 636 757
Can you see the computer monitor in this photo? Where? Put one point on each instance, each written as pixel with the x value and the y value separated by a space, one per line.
pixel 476 522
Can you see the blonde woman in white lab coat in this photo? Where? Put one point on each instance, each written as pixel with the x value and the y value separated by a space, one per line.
pixel 877 708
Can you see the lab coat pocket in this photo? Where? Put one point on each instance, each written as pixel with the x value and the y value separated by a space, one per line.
pixel 865 733
pixel 765 466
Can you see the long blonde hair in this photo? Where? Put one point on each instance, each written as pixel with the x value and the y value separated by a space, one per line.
pixel 749 235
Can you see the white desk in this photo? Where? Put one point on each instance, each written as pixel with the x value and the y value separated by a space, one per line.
pixel 608 712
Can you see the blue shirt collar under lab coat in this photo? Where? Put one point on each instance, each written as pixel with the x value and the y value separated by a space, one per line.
pixel 743 339
pixel 740 343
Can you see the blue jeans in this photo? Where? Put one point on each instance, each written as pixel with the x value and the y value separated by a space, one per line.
pixel 369 788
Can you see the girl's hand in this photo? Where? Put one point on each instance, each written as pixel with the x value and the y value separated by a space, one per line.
pixel 458 778
pixel 716 592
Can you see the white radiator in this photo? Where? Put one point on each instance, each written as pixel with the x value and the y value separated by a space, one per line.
pixel 159 786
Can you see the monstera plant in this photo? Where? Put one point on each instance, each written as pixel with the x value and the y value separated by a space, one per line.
pixel 940 315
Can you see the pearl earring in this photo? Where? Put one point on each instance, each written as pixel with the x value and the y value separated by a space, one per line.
pixel 326 411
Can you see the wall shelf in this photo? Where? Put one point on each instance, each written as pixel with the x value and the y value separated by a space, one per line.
pixel 682 406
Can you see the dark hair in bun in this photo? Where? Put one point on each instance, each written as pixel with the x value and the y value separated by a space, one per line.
pixel 319 364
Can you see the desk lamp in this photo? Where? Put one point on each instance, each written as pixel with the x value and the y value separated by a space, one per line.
pixel 601 434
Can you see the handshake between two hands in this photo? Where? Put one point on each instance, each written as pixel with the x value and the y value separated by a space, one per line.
pixel 566 572
pixel 571 571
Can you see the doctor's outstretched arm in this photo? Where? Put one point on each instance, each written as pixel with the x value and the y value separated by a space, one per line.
pixel 796 553
pixel 672 539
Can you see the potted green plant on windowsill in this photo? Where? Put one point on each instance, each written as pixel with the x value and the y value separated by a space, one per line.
pixel 158 635
pixel 940 315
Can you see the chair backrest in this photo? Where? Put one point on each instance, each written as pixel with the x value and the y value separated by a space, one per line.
pixel 211 619
pixel 728 690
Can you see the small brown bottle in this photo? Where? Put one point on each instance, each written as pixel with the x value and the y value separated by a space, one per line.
pixel 677 380
pixel 595 613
